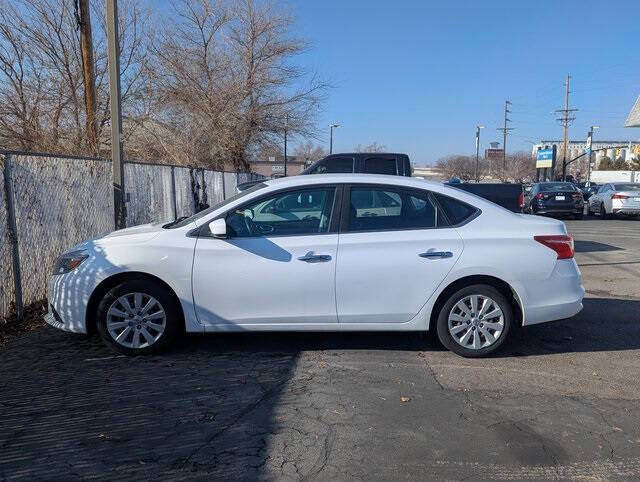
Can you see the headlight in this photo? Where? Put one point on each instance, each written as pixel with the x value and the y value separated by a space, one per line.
pixel 69 261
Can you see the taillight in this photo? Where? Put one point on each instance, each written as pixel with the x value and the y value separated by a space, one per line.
pixel 521 200
pixel 560 243
pixel 577 195
pixel 619 196
pixel 540 196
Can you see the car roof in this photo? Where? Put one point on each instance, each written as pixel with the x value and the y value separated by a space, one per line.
pixel 310 179
pixel 368 154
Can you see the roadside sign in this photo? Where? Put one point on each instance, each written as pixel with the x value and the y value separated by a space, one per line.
pixel 545 158
pixel 277 168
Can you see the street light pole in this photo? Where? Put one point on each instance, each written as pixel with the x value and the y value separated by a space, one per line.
pixel 478 152
pixel 331 126
pixel 590 143
pixel 113 55
pixel 286 127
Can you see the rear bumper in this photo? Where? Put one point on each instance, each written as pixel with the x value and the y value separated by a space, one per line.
pixel 627 211
pixel 550 210
pixel 555 298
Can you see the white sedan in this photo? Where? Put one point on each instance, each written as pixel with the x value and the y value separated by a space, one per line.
pixel 324 253
pixel 616 198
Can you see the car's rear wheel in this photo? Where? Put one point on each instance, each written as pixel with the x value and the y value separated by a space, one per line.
pixel 475 321
pixel 138 317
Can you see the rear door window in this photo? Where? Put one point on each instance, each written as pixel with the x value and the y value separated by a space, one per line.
pixel 457 212
pixel 335 165
pixel 380 165
pixel 384 208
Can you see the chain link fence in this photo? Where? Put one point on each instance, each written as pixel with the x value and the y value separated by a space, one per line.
pixel 49 203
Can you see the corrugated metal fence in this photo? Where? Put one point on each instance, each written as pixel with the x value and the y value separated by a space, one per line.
pixel 49 203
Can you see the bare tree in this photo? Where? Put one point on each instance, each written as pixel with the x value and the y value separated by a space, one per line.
pixel 520 167
pixel 463 167
pixel 373 147
pixel 228 72
pixel 41 81
pixel 309 151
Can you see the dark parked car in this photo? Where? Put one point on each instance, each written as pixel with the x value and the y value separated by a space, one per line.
pixel 555 198
pixel 362 162
pixel 510 196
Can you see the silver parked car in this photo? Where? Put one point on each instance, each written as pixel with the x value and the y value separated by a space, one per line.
pixel 616 198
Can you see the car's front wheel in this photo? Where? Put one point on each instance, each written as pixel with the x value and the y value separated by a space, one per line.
pixel 475 321
pixel 138 317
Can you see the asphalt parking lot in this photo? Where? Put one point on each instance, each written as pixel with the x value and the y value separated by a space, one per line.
pixel 562 401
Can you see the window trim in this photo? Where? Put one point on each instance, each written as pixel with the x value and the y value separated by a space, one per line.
pixel 346 209
pixel 334 217
pixel 477 211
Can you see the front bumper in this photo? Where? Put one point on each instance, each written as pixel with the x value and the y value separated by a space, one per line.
pixel 68 297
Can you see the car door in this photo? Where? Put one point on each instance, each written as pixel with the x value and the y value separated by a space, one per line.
pixel 596 200
pixel 394 250
pixel 277 266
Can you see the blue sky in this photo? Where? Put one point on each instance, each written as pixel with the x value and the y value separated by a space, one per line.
pixel 418 76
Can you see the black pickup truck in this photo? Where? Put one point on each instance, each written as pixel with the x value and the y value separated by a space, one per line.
pixel 392 164
pixel 359 162
pixel 510 196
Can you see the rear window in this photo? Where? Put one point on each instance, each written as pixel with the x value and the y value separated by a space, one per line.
pixel 558 186
pixel 457 212
pixel 336 165
pixel 380 165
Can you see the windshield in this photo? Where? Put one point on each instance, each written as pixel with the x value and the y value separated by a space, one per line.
pixel 627 187
pixel 557 186
pixel 187 220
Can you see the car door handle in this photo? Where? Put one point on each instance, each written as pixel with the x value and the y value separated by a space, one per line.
pixel 310 257
pixel 436 254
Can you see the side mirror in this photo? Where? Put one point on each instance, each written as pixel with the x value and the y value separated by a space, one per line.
pixel 218 228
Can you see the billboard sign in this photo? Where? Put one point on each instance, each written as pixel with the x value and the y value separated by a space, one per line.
pixel 493 154
pixel 545 158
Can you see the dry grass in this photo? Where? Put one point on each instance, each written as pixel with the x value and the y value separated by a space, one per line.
pixel 13 327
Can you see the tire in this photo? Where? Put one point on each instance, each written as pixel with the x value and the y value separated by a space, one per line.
pixel 153 332
pixel 474 329
pixel 578 216
pixel 603 212
pixel 589 211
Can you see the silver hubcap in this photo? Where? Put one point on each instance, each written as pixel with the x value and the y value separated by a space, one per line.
pixel 136 320
pixel 476 321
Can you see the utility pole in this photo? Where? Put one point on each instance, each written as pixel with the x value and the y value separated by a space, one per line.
pixel 478 152
pixel 286 127
pixel 589 151
pixel 505 130
pixel 331 126
pixel 113 53
pixel 565 120
pixel 83 18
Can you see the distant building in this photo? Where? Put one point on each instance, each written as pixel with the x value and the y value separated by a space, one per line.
pixel 611 149
pixel 634 116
